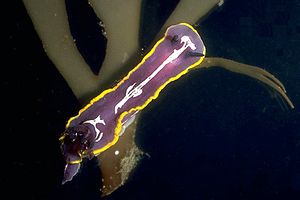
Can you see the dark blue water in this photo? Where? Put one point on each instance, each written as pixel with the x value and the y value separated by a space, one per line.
pixel 211 135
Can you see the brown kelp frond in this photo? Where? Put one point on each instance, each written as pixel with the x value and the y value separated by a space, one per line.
pixel 248 70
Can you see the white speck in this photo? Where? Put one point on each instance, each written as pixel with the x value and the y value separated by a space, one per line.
pixel 221 2
pixel 117 152
pixel 125 57
pixel 101 24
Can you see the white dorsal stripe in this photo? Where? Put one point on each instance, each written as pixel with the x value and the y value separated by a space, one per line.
pixel 132 91
pixel 94 123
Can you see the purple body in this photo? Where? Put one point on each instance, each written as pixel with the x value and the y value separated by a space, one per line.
pixel 97 126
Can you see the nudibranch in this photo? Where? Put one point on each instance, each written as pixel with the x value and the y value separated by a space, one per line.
pixel 99 124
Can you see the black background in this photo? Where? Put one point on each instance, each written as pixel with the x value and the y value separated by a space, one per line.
pixel 210 135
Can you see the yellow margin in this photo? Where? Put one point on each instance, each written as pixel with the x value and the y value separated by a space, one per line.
pixel 119 123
